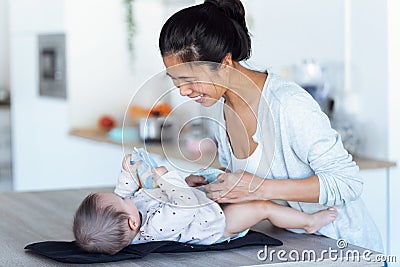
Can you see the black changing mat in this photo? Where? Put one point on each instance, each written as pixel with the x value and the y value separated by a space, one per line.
pixel 69 252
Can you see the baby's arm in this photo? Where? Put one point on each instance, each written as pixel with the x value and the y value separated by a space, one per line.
pixel 127 183
pixel 174 186
pixel 175 214
pixel 203 177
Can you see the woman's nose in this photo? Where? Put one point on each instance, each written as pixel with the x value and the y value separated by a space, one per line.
pixel 185 90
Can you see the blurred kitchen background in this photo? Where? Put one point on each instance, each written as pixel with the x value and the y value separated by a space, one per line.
pixel 65 65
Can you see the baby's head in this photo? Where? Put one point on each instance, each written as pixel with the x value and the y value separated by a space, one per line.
pixel 105 223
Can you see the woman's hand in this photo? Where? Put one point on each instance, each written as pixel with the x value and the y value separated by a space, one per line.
pixel 236 187
pixel 195 180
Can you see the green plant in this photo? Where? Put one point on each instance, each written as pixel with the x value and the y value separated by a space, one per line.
pixel 130 26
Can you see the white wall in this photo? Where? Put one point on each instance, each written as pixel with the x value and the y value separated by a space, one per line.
pixel 374 197
pixel 44 156
pixel 101 75
pixel 369 74
pixel 393 99
pixel 373 97
pixel 287 31
pixel 100 80
pixel 4 45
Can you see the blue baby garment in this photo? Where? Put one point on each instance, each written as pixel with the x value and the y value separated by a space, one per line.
pixel 210 174
pixel 145 169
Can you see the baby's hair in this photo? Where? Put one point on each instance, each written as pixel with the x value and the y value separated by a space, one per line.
pixel 100 229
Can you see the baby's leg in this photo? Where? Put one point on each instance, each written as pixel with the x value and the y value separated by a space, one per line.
pixel 242 216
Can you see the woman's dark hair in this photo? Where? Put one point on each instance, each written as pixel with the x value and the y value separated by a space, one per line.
pixel 207 32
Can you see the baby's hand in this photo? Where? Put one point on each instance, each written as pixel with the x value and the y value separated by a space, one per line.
pixel 128 180
pixel 158 172
pixel 127 166
pixel 195 180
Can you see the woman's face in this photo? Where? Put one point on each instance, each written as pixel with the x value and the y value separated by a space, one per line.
pixel 196 81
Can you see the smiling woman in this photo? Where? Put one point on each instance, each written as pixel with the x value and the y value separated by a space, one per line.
pixel 195 81
pixel 269 126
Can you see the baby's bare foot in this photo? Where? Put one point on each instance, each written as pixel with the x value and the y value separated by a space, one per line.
pixel 320 219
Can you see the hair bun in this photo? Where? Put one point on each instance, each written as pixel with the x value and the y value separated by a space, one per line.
pixel 207 32
pixel 232 8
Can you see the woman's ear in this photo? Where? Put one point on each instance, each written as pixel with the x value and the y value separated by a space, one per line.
pixel 227 60
pixel 133 223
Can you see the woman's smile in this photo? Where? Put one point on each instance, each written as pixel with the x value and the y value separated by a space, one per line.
pixel 199 99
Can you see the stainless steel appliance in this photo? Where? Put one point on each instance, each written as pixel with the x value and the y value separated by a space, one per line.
pixel 155 129
pixel 52 65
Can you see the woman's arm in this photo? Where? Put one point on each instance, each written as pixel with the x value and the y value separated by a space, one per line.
pixel 243 186
pixel 315 143
pixel 301 190
pixel 336 178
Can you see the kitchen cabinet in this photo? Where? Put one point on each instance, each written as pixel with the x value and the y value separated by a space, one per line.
pixel 376 198
pixel 5 142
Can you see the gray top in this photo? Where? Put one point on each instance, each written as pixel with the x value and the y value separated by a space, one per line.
pixel 298 142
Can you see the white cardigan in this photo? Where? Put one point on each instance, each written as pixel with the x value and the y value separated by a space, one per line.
pixel 298 142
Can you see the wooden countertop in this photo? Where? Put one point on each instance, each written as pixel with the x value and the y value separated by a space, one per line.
pixel 172 150
pixel 39 216
pixel 366 163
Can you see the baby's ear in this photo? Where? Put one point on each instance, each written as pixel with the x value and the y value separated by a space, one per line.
pixel 133 223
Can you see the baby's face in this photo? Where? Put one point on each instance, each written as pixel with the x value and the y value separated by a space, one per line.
pixel 120 204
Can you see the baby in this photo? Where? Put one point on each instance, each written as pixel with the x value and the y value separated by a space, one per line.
pixel 108 222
